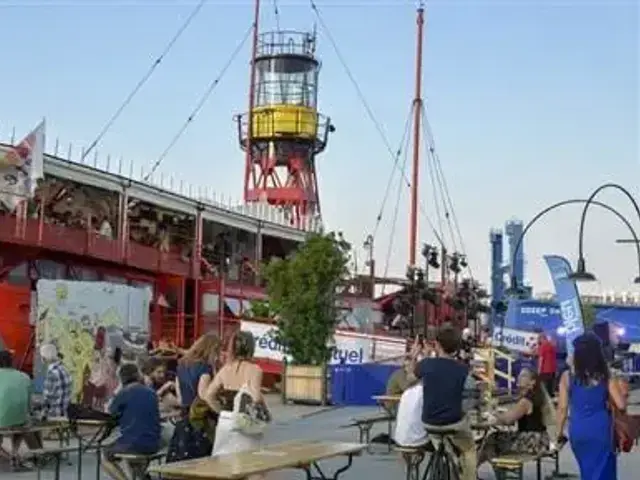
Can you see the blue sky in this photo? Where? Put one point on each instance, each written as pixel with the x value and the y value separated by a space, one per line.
pixel 530 103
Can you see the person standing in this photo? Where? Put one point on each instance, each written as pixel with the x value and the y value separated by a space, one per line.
pixel 547 363
pixel 585 392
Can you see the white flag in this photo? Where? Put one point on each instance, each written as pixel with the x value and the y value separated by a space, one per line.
pixel 21 167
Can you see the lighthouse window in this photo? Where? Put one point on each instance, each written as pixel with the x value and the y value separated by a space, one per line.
pixel 286 82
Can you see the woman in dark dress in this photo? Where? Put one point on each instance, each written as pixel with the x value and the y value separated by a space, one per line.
pixel 193 376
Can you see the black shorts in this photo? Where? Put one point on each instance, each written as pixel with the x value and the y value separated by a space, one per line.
pixel 120 448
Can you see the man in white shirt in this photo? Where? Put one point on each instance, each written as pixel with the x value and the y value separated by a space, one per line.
pixel 410 431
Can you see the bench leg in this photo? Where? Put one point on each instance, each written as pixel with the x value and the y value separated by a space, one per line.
pixel 412 464
pixel 98 461
pixel 321 475
pixel 365 435
pixel 58 461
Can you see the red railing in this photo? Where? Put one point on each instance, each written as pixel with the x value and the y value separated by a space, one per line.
pixel 84 243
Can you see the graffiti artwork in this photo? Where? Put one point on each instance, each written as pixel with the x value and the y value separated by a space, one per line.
pixel 91 323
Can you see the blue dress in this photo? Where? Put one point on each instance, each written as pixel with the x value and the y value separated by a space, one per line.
pixel 591 431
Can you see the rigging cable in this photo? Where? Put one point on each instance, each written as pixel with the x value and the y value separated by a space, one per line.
pixel 403 146
pixel 200 104
pixel 447 195
pixel 145 78
pixel 368 109
pixel 436 184
pixel 395 212
pixel 432 176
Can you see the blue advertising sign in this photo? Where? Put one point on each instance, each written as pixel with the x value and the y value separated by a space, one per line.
pixel 567 297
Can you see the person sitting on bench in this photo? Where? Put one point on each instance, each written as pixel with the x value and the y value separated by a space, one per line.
pixel 410 431
pixel 138 415
pixel 531 413
pixel 15 391
pixel 445 384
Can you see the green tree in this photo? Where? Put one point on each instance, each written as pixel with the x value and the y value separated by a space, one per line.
pixel 260 309
pixel 302 295
pixel 588 316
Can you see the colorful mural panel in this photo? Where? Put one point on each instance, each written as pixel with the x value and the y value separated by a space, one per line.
pixel 89 321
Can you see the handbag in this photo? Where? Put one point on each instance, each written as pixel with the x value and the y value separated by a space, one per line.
pixel 626 428
pixel 203 418
pixel 249 417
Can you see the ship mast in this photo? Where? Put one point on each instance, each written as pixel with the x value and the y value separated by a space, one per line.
pixel 417 116
pixel 252 98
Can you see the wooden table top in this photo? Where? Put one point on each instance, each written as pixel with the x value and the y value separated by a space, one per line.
pixel 34 427
pixel 84 422
pixel 387 398
pixel 237 466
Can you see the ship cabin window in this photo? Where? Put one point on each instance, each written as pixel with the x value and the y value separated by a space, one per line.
pixel 210 303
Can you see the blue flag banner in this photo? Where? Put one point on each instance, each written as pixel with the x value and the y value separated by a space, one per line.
pixel 567 297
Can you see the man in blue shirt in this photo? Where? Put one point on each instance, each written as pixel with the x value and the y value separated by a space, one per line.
pixel 138 415
pixel 446 383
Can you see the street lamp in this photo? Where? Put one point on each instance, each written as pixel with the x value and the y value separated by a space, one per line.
pixel 581 273
pixel 514 287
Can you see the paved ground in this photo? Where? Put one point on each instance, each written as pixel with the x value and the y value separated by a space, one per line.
pixel 300 422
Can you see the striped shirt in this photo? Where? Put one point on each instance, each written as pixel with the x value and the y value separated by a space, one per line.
pixel 57 391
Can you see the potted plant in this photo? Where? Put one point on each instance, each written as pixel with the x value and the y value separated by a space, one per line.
pixel 302 290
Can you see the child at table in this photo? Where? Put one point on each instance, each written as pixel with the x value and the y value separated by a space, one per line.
pixel 138 415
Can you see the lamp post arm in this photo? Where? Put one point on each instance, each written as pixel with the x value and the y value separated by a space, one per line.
pixel 590 201
pixel 571 202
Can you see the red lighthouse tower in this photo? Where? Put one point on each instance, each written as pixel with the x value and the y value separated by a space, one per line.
pixel 283 132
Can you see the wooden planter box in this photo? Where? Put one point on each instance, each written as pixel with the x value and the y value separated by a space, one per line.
pixel 307 384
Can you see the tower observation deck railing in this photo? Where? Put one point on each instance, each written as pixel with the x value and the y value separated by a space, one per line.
pixel 282 123
pixel 286 42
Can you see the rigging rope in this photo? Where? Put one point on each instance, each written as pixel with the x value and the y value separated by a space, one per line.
pixel 200 104
pixel 369 111
pixel 145 78
pixel 436 184
pixel 396 210
pixel 403 146
pixel 445 189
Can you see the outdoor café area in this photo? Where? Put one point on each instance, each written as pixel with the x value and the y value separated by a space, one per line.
pixel 301 434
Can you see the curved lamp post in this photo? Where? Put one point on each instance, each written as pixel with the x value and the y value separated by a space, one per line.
pixel 581 273
pixel 514 281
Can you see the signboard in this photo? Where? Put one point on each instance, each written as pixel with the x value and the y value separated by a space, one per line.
pixel 347 348
pixel 516 340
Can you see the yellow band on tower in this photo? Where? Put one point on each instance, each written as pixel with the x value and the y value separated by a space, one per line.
pixel 290 121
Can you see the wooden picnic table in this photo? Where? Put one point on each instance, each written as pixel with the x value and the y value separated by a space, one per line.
pixel 303 455
pixel 96 442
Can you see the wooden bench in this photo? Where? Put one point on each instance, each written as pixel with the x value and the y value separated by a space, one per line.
pixel 365 425
pixel 140 463
pixel 41 456
pixel 511 466
pixel 301 455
